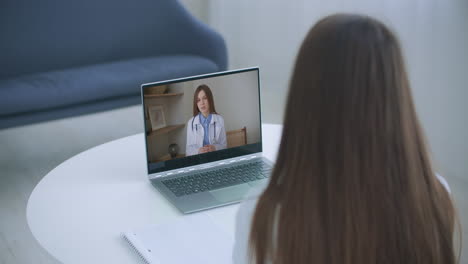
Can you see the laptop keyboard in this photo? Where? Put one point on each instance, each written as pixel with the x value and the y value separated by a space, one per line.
pixel 215 179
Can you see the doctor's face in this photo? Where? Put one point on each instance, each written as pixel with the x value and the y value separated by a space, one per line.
pixel 202 103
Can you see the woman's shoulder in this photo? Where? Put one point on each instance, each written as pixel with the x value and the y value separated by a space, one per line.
pixel 444 182
pixel 247 207
pixel 243 224
pixel 218 117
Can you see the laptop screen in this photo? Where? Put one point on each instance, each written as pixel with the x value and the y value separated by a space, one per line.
pixel 200 119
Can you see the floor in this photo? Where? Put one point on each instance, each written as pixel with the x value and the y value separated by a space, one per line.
pixel 28 153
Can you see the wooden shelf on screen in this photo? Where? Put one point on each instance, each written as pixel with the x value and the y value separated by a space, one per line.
pixel 162 95
pixel 168 157
pixel 164 130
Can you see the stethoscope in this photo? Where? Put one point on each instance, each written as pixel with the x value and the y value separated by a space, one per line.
pixel 196 126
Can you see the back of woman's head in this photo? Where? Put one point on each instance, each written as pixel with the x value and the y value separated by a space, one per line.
pixel 353 182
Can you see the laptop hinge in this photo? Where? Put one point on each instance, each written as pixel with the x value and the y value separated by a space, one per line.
pixel 204 166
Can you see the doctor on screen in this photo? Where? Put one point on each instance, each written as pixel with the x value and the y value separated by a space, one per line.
pixel 205 130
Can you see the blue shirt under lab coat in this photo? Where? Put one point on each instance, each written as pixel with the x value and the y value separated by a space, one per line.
pixel 205 121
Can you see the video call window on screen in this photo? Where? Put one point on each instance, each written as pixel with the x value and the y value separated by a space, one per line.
pixel 201 119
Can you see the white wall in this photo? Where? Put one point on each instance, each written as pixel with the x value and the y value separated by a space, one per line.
pixel 198 8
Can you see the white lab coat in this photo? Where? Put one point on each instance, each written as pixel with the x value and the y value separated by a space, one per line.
pixel 196 132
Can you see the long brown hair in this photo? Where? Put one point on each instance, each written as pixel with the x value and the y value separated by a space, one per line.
pixel 353 181
pixel 209 96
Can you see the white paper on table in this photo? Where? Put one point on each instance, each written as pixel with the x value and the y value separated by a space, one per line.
pixel 193 238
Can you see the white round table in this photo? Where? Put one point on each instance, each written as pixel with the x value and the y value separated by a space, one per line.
pixel 79 210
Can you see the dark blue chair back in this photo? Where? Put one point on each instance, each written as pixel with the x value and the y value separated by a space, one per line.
pixel 46 35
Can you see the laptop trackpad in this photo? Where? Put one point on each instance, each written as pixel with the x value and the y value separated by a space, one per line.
pixel 232 193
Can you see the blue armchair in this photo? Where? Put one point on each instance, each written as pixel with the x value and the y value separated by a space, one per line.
pixel 62 58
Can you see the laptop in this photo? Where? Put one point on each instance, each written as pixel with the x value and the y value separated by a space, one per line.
pixel 203 138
